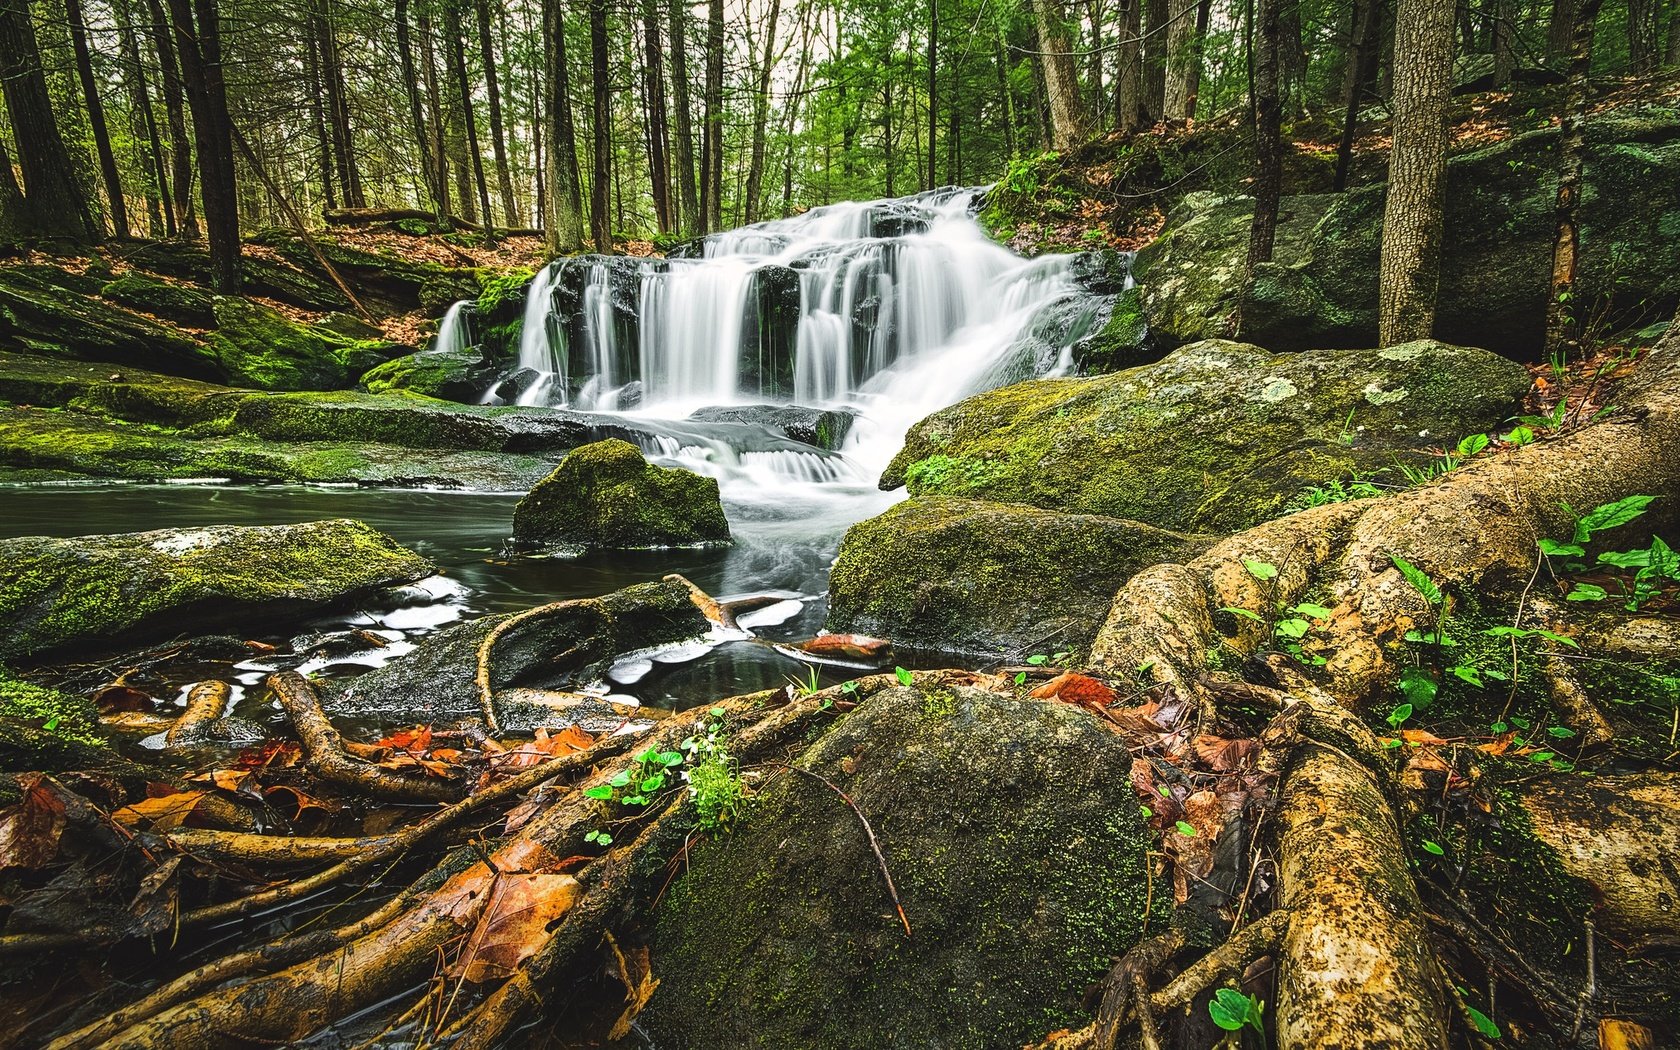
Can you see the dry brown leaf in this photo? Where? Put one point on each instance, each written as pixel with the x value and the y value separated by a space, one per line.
pixel 514 924
pixel 163 813
pixel 1223 755
pixel 1420 737
pixel 119 697
pixel 1074 688
pixel 635 969
pixel 1616 1034
pixel 30 830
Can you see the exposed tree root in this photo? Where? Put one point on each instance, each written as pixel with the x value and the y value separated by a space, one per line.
pixel 330 761
pixel 281 850
pixel 205 703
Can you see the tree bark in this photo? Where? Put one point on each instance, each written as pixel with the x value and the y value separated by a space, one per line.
pixel 659 135
pixel 174 105
pixel 687 193
pixel 1362 65
pixel 1642 37
pixel 498 136
pixel 96 119
pixel 1560 29
pixel 1061 84
pixel 600 183
pixel 1268 135
pixel 932 94
pixel 455 46
pixel 564 224
pixel 1182 56
pixel 1410 269
pixel 143 100
pixel 1563 317
pixel 318 114
pixel 1155 59
pixel 1129 110
pixel 416 114
pixel 198 44
pixel 711 150
pixel 338 106
pixel 54 203
pixel 434 104
pixel 761 115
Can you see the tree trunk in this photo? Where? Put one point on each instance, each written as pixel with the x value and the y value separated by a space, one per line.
pixel 659 134
pixel 498 136
pixel 564 225
pixel 455 45
pixel 1672 59
pixel 600 182
pixel 54 203
pixel 198 43
pixel 96 120
pixel 1410 268
pixel 1129 109
pixel 711 151
pixel 1642 36
pixel 1155 60
pixel 761 114
pixel 1006 92
pixel 1268 135
pixel 143 100
pixel 338 107
pixel 174 106
pixel 318 114
pixel 1182 55
pixel 1061 84
pixel 688 195
pixel 416 113
pixel 1560 29
pixel 932 94
pixel 434 104
pixel 1502 40
pixel 1362 64
pixel 1563 310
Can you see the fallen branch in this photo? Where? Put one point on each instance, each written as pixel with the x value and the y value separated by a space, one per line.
pixel 329 760
pixel 205 703
pixel 280 850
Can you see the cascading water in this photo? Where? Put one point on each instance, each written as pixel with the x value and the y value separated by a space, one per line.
pixel 453 332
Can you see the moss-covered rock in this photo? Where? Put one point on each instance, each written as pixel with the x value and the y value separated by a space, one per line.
pixel 47 311
pixel 181 303
pixel 989 578
pixel 127 393
pixel 72 718
pixel 1320 289
pixel 825 428
pixel 1215 437
pixel 1017 851
pixel 453 375
pixel 260 347
pixel 606 495
pixel 91 592
pixel 565 648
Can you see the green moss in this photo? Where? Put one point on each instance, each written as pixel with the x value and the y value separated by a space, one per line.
pixel 176 302
pixel 606 495
pixel 455 375
pixel 261 347
pixel 71 719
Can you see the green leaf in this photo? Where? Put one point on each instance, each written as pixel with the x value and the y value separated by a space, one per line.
pixel 1166 792
pixel 620 779
pixel 1542 756
pixel 1561 732
pixel 717 712
pixel 601 791
pixel 1484 1024
pixel 1020 678
pixel 904 677
pixel 1418 579
pixel 1468 673
pixel 1293 628
pixel 1418 687
pixel 1626 559
pixel 1186 830
pixel 1557 549
pixel 52 723
pixel 1609 515
pixel 1038 659
pixel 1260 570
pixel 1316 612
pixel 1665 561
pixel 652 784
pixel 1520 435
pixel 1146 811
pixel 1505 631
pixel 1244 613
pixel 1586 592
pixel 1433 847
pixel 1472 444
pixel 1498 727
pixel 671 758
pixel 1560 639
pixel 1398 716
pixel 1229 1009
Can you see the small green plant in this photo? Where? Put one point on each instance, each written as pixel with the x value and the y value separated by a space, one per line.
pixel 715 782
pixel 807 685
pixel 904 677
pixel 1340 490
pixel 1444 463
pixel 1233 1011
pixel 1292 624
pixel 1643 573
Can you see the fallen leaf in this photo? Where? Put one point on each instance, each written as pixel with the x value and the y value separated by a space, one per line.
pixel 635 969
pixel 301 801
pixel 1078 689
pixel 514 924
pixel 163 813
pixel 30 830
pixel 119 697
pixel 1420 737
pixel 1223 755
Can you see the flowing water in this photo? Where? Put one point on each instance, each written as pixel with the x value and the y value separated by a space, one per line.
pixel 884 311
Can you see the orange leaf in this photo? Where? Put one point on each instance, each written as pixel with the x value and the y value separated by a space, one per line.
pixel 1222 755
pixel 164 813
pixel 1420 736
pixel 1074 688
pixel 636 971
pixel 514 924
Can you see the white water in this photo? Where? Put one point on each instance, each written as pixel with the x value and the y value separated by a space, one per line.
pixel 452 330
pixel 890 328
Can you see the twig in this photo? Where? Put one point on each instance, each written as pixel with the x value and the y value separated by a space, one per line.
pixel 1591 989
pixel 874 844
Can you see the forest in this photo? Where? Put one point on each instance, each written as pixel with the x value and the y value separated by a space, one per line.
pixel 1066 524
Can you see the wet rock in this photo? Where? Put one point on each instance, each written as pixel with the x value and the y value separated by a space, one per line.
pixel 563 649
pixel 1103 272
pixel 1215 437
pixel 181 303
pixel 94 592
pixel 258 346
pixel 453 375
pixel 46 311
pixel 607 496
pixel 826 428
pixel 989 578
pixel 770 333
pixel 898 219
pixel 1015 845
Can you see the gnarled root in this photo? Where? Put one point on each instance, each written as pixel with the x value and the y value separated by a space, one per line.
pixel 330 761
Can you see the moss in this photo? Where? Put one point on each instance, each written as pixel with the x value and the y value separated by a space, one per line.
pixel 72 719
pixel 1015 848
pixel 45 312
pixel 1169 445
pixel 606 495
pixel 451 374
pixel 176 302
pixel 261 347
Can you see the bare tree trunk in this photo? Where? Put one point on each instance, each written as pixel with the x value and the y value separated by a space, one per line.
pixel 1129 110
pixel 198 43
pixel 434 104
pixel 416 114
pixel 1410 269
pixel 1672 59
pixel 96 119
pixel 1642 35
pixel 1061 83
pixel 1501 40
pixel 143 100
pixel 564 226
pixel 1006 94
pixel 455 45
pixel 1268 135
pixel 174 105
pixel 711 150
pixel 932 93
pixel 659 134
pixel 1362 64
pixel 761 114
pixel 1155 59
pixel 498 137
pixel 1563 318
pixel 1560 30
pixel 318 114
pixel 338 106
pixel 1181 56
pixel 600 183
pixel 54 203
pixel 687 194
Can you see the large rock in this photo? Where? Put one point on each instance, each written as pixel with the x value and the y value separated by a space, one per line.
pixel 826 428
pixel 91 592
pixel 1320 289
pixel 45 310
pixel 258 346
pixel 565 648
pixel 1215 437
pixel 607 496
pixel 453 375
pixel 1016 847
pixel 989 578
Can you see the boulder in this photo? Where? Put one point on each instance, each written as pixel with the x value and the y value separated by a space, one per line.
pixel 607 496
pixel 181 303
pixel 47 311
pixel 95 592
pixel 1017 850
pixel 1320 289
pixel 826 428
pixel 1217 436
pixel 563 649
pixel 258 346
pixel 989 579
pixel 453 375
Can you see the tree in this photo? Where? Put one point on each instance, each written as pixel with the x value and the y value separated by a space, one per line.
pixel 564 223
pixel 53 202
pixel 933 93
pixel 437 136
pixel 1361 70
pixel 136 75
pixel 1410 269
pixel 1563 334
pixel 436 189
pixel 711 149
pixel 659 134
pixel 600 222
pixel 198 46
pixel 687 193
pixel 455 52
pixel 761 114
pixel 175 107
pixel 1184 60
pixel 1268 134
pixel 96 119
pixel 498 137
pixel 1061 84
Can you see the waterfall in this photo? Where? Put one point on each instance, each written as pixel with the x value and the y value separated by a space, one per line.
pixel 453 331
pixel 903 301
